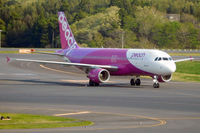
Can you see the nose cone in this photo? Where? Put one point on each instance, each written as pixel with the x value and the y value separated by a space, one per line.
pixel 171 67
pixel 167 68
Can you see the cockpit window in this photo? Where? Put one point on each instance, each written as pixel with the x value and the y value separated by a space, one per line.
pixel 156 59
pixel 165 58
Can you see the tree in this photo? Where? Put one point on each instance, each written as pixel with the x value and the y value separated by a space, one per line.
pixel 147 18
pixel 165 35
pixel 3 31
pixel 97 40
pixel 188 36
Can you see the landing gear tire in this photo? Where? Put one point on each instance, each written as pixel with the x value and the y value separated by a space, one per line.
pixel 156 85
pixel 132 82
pixel 137 82
pixel 91 83
pixel 96 84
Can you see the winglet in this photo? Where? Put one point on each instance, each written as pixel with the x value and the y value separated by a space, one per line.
pixel 8 59
pixel 191 58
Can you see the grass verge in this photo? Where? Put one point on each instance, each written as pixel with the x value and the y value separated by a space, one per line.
pixel 186 77
pixel 184 54
pixel 28 121
pixel 188 67
pixel 9 52
pixel 17 52
pixel 187 71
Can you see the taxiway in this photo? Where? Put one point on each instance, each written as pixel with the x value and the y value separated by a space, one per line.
pixel 113 107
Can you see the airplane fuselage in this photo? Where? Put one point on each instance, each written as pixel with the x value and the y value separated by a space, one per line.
pixel 128 61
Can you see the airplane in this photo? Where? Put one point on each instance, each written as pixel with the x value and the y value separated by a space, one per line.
pixel 101 63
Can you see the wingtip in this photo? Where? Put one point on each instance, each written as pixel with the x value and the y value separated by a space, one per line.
pixel 8 59
pixel 191 58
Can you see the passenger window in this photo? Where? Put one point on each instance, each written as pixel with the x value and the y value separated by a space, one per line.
pixel 159 59
pixel 156 59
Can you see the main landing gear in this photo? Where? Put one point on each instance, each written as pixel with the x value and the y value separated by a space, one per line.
pixel 155 82
pixel 136 81
pixel 91 83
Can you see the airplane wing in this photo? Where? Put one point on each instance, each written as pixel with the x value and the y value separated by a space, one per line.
pixel 91 66
pixel 186 59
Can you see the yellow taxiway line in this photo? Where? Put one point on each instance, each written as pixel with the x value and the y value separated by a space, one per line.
pixel 55 70
pixel 76 113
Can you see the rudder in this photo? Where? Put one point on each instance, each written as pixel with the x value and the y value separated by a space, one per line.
pixel 66 36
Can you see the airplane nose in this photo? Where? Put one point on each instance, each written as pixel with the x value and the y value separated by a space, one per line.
pixel 172 67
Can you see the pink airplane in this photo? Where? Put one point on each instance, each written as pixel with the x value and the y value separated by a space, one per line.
pixel 100 63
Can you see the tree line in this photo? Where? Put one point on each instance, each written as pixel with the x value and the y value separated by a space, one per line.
pixel 102 23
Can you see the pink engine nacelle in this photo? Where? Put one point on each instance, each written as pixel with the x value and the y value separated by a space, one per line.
pixel 99 75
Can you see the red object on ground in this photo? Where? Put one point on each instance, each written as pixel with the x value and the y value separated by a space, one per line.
pixel 8 59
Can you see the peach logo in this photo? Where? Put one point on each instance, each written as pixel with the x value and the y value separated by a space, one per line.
pixel 65 28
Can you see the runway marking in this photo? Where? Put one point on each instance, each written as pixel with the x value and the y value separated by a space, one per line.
pixel 74 81
pixel 58 70
pixel 77 113
pixel 183 118
pixel 161 121
pixel 17 74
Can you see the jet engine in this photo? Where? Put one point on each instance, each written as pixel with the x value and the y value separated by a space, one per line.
pixel 164 78
pixel 99 75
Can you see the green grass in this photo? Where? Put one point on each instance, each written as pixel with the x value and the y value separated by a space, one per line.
pixel 28 121
pixel 184 54
pixel 186 77
pixel 187 71
pixel 189 67
pixel 17 52
pixel 9 52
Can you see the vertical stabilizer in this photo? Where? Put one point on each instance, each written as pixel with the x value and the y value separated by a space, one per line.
pixel 66 36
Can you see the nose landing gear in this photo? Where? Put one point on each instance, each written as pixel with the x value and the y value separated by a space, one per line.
pixel 156 83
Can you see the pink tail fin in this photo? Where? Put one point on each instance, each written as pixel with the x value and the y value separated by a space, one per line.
pixel 66 36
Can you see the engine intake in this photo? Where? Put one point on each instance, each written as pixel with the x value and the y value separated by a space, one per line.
pixel 164 78
pixel 99 75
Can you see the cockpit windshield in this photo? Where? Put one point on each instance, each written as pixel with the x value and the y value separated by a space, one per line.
pixel 163 59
